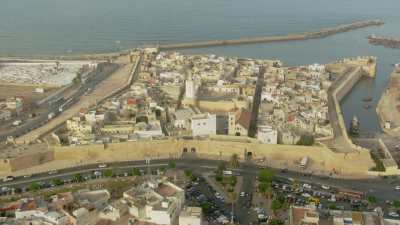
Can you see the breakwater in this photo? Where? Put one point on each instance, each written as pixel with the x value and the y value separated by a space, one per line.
pixel 384 41
pixel 269 39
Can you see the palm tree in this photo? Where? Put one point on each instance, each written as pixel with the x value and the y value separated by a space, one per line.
pixel 265 188
pixel 232 198
pixel 234 161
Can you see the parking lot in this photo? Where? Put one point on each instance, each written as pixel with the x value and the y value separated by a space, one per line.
pixel 325 197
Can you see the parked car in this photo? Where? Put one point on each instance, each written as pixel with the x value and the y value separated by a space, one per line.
pixel 53 172
pixel 325 187
pixel 102 165
pixel 8 178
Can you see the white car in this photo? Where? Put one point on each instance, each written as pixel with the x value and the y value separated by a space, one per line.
pixel 102 165
pixel 394 214
pixel 325 187
pixel 242 194
pixel 306 195
pixel 53 172
pixel 308 186
pixel 8 178
pixel 397 188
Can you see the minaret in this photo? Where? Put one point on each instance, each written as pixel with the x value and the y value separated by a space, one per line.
pixel 190 87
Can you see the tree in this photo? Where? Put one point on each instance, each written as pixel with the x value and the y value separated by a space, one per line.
pixel 108 173
pixel 136 172
pixel 163 169
pixel 233 180
pixel 234 161
pixel 306 140
pixel 172 164
pixel 371 199
pixel 276 205
pixel 221 167
pixel 78 177
pixel 396 204
pixel 35 186
pixel 332 206
pixel 57 182
pixel 219 177
pixel 266 175
pixel 188 173
pixel 275 222
pixel 265 188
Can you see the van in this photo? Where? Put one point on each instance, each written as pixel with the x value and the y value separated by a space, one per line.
pixel 227 172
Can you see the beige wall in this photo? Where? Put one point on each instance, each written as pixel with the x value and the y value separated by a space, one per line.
pixel 322 160
pixel 225 106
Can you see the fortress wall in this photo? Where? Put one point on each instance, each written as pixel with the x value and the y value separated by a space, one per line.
pixel 321 158
pixel 30 160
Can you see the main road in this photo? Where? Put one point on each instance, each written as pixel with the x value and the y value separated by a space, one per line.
pixel 382 189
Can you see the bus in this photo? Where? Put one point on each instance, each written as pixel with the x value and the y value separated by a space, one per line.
pixel 350 194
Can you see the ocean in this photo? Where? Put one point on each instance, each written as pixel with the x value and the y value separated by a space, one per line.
pixel 31 27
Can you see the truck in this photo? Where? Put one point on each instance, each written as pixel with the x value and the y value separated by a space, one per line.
pixel 51 115
pixel 304 161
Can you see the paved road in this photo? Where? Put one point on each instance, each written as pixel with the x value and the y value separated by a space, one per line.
pixel 383 189
pixel 244 203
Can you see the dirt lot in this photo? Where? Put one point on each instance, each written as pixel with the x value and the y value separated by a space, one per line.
pixel 26 91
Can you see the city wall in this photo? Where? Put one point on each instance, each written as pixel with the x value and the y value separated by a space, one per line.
pixel 322 160
pixel 26 161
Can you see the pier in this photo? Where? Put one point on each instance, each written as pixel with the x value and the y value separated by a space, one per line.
pixel 384 41
pixel 269 39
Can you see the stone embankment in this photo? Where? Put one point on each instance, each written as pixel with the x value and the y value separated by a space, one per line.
pixel 387 42
pixel 269 39
pixel 388 108
pixel 355 71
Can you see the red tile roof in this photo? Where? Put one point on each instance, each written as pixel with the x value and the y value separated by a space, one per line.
pixel 244 118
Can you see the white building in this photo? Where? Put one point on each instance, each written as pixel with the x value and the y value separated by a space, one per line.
pixel 267 135
pixel 204 124
pixel 191 86
pixel 155 202
pixel 75 125
pixel 93 117
pixel 182 118
pixel 191 216
pixel 52 217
